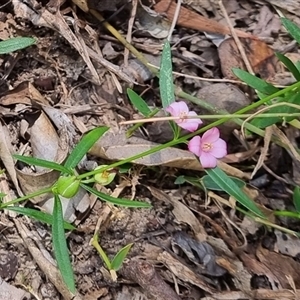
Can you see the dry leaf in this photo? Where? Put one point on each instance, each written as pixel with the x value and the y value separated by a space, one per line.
pixel 261 57
pixel 115 146
pixel 189 19
pixel 46 144
pixel 184 273
pixel 181 212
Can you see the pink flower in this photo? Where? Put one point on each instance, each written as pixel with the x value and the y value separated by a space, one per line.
pixel 209 147
pixel 181 110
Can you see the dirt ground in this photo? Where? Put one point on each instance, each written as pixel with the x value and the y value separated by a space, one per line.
pixel 189 245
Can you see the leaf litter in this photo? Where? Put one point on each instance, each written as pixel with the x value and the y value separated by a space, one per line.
pixel 184 247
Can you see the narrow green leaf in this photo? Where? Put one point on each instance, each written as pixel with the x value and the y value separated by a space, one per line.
pixel 38 215
pixel 292 28
pixel 116 201
pixel 85 144
pixel 138 102
pixel 15 44
pixel 296 198
pixel 297 65
pixel 118 260
pixel 42 163
pixel 60 246
pixel 210 184
pixel 166 86
pixel 229 186
pixel 265 122
pixel 289 64
pixel 255 82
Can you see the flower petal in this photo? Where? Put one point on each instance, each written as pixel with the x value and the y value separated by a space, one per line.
pixel 177 108
pixel 189 126
pixel 194 145
pixel 211 135
pixel 207 160
pixel 196 120
pixel 219 149
pixel 170 110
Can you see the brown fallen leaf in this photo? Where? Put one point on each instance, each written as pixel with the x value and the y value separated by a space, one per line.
pixel 146 276
pixel 189 19
pixel 280 265
pixel 184 273
pixel 181 212
pixel 261 57
pixel 46 144
pixel 260 269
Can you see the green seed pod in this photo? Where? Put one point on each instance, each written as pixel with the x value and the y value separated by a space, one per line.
pixel 67 186
pixel 104 178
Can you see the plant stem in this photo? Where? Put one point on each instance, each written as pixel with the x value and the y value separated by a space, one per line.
pixel 37 193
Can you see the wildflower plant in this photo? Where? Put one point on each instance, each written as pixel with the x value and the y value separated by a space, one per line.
pixel 204 142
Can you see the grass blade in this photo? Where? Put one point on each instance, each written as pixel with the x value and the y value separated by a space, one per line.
pixel 15 44
pixel 42 163
pixel 255 82
pixel 289 64
pixel 116 201
pixel 292 28
pixel 85 144
pixel 60 246
pixel 166 86
pixel 38 215
pixel 229 186
pixel 296 198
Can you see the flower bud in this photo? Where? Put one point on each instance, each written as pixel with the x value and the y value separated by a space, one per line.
pixel 104 178
pixel 67 186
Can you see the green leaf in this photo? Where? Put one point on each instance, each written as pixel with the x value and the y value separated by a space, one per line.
pixel 118 260
pixel 297 65
pixel 255 82
pixel 296 198
pixel 166 85
pixel 38 215
pixel 116 201
pixel 290 65
pixel 210 184
pixel 292 28
pixel 15 44
pixel 180 180
pixel 125 168
pixel 265 122
pixel 229 186
pixel 195 181
pixel 60 246
pixel 42 163
pixel 85 144
pixel 139 103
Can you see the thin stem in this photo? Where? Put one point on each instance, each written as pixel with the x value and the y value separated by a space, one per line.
pixel 103 255
pixel 40 192
pixel 204 117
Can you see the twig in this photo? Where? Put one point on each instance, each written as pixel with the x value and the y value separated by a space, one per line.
pixel 129 30
pixel 236 39
pixel 174 21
